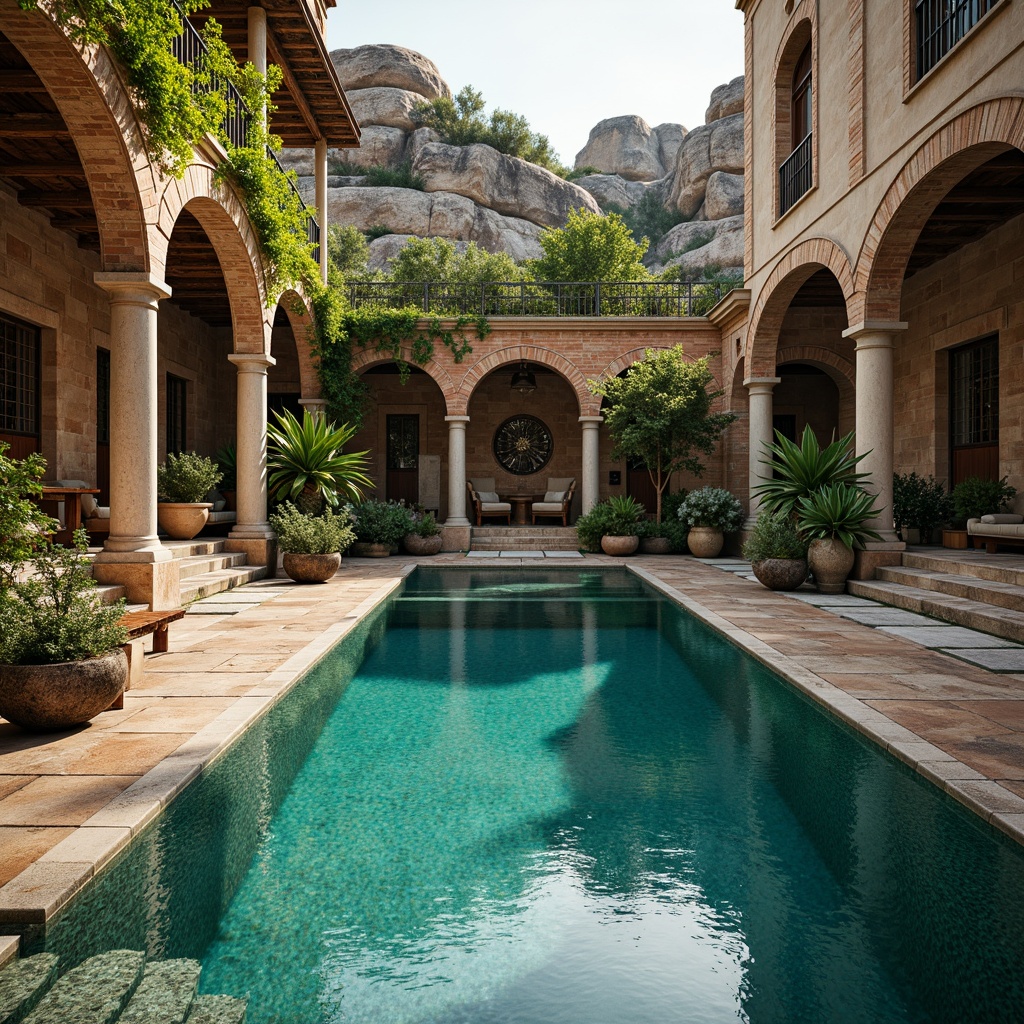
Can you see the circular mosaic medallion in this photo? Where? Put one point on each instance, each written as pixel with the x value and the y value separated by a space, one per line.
pixel 523 445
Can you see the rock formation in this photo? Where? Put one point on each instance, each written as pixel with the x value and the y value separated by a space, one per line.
pixel 629 147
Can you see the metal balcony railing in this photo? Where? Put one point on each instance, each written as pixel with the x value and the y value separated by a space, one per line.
pixel 544 298
pixel 190 50
pixel 795 175
pixel 941 24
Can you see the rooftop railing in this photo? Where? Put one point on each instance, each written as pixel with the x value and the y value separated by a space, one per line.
pixel 544 298
pixel 190 49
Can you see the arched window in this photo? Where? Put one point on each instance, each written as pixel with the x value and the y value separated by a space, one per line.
pixel 801 117
pixel 796 171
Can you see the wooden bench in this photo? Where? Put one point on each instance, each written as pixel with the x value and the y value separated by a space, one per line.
pixel 139 625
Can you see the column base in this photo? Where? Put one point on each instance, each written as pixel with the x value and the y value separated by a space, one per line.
pixel 157 584
pixel 257 550
pixel 875 555
pixel 456 537
pixel 133 549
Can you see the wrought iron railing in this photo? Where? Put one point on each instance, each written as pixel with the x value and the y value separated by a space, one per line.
pixel 190 50
pixel 941 24
pixel 796 174
pixel 545 298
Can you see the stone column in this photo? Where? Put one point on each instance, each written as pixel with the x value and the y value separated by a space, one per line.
pixel 874 437
pixel 257 43
pixel 590 478
pixel 252 533
pixel 132 554
pixel 315 406
pixel 457 527
pixel 759 433
pixel 320 169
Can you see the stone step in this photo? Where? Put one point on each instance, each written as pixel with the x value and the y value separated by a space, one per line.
pixel 217 1010
pixel 23 983
pixel 961 611
pixel 196 546
pixel 1007 569
pixel 95 992
pixel 110 593
pixel 523 538
pixel 1002 595
pixel 166 994
pixel 195 565
pixel 206 584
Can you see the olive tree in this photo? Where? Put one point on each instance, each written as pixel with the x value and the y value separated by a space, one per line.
pixel 659 413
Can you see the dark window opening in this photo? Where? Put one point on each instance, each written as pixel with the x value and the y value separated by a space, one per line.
pixel 796 172
pixel 941 24
pixel 177 399
pixel 974 410
pixel 102 396
pixel 19 378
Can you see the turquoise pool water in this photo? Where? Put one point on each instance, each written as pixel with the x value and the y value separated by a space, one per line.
pixel 552 798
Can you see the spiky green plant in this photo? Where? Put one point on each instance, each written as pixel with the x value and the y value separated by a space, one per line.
pixel 840 512
pixel 802 469
pixel 307 465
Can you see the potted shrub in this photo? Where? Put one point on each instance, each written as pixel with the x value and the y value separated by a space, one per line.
pixel 378 525
pixel 61 662
pixel 777 552
pixel 710 513
pixel 973 498
pixel 312 545
pixel 919 505
pixel 183 481
pixel 624 517
pixel 834 519
pixel 425 536
pixel 654 538
pixel 593 525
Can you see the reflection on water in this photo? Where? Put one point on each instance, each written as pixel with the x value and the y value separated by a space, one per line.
pixel 552 797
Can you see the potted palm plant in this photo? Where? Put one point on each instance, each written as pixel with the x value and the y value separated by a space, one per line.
pixel 621 525
pixel 710 513
pixel 312 545
pixel 183 481
pixel 834 519
pixel 776 551
pixel 425 536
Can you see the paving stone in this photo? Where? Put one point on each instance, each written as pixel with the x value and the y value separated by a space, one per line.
pixel 562 554
pixel 948 637
pixel 521 554
pixel 832 600
pixel 95 992
pixel 23 983
pixel 884 616
pixel 482 554
pixel 165 995
pixel 217 608
pixel 217 1010
pixel 995 660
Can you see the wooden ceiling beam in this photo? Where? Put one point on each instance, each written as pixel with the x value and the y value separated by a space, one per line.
pixel 75 200
pixel 44 170
pixel 33 126
pixel 979 194
pixel 19 80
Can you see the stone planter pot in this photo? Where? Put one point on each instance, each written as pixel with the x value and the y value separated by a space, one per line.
pixel 956 539
pixel 366 549
pixel 305 568
pixel 655 546
pixel 831 561
pixel 781 573
pixel 705 541
pixel 417 545
pixel 182 520
pixel 44 698
pixel 619 545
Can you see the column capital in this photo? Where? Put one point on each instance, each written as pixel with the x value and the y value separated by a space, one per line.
pixel 867 327
pixel 137 288
pixel 313 404
pixel 761 385
pixel 456 420
pixel 255 362
pixel 591 421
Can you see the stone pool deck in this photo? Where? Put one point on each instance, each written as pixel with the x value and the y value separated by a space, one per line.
pixel 69 801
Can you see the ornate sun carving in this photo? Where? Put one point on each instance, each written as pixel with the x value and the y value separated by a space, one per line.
pixel 523 445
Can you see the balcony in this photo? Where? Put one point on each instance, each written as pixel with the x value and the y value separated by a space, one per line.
pixel 941 24
pixel 796 174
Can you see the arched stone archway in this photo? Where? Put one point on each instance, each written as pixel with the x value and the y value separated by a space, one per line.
pixel 367 358
pixel 300 318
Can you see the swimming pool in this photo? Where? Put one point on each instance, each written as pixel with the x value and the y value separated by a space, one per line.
pixel 515 797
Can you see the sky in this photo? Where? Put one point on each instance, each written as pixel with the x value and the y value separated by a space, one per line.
pixel 564 64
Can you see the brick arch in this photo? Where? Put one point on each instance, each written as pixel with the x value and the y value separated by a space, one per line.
pixel 589 404
pixel 838 367
pixel 366 358
pixel 789 275
pixel 86 88
pixel 627 359
pixel 222 216
pixel 952 152
pixel 300 318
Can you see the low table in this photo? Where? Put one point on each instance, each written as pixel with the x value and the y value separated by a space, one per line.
pixel 520 506
pixel 71 496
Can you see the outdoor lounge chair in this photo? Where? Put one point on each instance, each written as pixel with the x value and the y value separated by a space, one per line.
pixel 485 500
pixel 95 517
pixel 557 499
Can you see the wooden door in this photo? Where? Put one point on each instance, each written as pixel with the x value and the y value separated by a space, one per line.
pixel 640 486
pixel 974 410
pixel 403 458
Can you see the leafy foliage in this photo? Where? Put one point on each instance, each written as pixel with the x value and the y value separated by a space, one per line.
pixel 187 477
pixel 303 534
pixel 438 259
pixel 659 413
pixel 648 218
pixel 618 516
pixel 919 503
pixel 975 497
pixel 54 615
pixel 837 511
pixel 377 231
pixel 227 462
pixel 348 249
pixel 800 470
pixel 425 525
pixel 461 122
pixel 22 521
pixel 582 172
pixel 381 522
pixel 774 536
pixel 591 247
pixel 712 507
pixel 393 177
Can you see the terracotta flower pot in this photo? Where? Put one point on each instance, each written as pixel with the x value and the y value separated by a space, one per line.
pixel 305 568
pixel 831 561
pixel 182 520
pixel 655 546
pixel 48 697
pixel 366 549
pixel 781 573
pixel 705 541
pixel 619 545
pixel 417 545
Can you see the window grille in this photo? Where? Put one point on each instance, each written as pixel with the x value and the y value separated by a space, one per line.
pixel 941 24
pixel 19 377
pixel 974 393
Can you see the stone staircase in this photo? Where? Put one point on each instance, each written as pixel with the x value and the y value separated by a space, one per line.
pixel 118 986
pixel 524 538
pixel 967 588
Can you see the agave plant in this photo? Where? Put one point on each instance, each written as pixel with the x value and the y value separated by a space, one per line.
pixel 802 469
pixel 307 465
pixel 838 511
